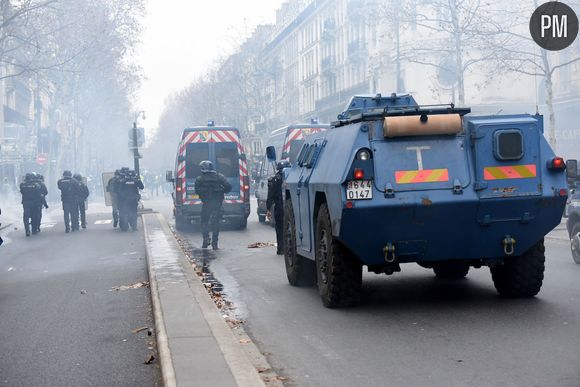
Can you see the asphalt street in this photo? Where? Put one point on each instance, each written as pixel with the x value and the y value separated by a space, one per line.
pixel 411 328
pixel 61 321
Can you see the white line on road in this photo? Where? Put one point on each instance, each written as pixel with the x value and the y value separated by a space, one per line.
pixel 105 221
pixel 48 225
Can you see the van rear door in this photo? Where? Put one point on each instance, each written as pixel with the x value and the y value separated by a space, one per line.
pixel 227 162
pixel 195 153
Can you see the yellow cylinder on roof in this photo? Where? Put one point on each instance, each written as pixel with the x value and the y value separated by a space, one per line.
pixel 422 125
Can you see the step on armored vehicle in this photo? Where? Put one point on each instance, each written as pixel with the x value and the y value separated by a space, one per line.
pixel 222 146
pixel 394 182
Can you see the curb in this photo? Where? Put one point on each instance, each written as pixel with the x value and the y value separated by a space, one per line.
pixel 166 364
pixel 236 358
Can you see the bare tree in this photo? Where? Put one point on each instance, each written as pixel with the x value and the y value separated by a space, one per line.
pixel 452 36
pixel 517 52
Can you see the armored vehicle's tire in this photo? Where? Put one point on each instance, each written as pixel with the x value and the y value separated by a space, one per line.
pixel 299 270
pixel 243 224
pixel 575 243
pixel 521 276
pixel 339 273
pixel 449 270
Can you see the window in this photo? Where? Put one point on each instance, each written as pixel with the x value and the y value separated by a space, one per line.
pixel 227 161
pixel 295 146
pixel 310 156
pixel 509 144
pixel 302 154
pixel 195 153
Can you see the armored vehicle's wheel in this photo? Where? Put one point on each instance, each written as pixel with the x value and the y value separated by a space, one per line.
pixel 449 270
pixel 339 273
pixel 243 223
pixel 299 270
pixel 575 243
pixel 521 276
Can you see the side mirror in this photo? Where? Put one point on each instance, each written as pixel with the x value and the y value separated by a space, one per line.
pixel 285 155
pixel 243 157
pixel 169 176
pixel 181 158
pixel 271 153
pixel 572 169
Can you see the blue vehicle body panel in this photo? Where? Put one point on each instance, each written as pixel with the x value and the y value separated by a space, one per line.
pixel 465 217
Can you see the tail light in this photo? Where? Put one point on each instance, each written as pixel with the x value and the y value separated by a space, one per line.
pixel 178 191
pixel 557 164
pixel 359 174
pixel 246 188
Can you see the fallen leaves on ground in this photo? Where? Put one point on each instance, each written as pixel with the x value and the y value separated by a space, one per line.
pixel 137 285
pixel 259 245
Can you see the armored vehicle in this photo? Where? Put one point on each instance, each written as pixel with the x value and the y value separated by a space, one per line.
pixel 394 182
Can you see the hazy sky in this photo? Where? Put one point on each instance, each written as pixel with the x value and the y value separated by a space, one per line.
pixel 184 38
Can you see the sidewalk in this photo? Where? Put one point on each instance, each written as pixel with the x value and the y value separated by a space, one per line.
pixel 196 346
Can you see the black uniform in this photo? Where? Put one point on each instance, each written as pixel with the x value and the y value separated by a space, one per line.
pixel 128 199
pixel 31 196
pixel 211 187
pixel 37 220
pixel 112 190
pixel 83 194
pixel 275 199
pixel 69 189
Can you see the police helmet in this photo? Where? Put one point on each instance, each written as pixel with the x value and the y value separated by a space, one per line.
pixel 280 165
pixel 28 177
pixel 78 176
pixel 117 172
pixel 67 174
pixel 207 167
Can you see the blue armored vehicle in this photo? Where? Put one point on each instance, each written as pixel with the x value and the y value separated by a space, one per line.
pixel 394 182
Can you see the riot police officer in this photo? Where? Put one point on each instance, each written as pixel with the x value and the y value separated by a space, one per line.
pixel 37 218
pixel 82 195
pixel 69 189
pixel 30 191
pixel 128 196
pixel 211 187
pixel 112 190
pixel 275 199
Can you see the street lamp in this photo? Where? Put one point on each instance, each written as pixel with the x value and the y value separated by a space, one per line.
pixel 136 155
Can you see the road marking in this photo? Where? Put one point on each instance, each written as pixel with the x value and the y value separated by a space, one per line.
pixel 48 225
pixel 10 268
pixel 106 221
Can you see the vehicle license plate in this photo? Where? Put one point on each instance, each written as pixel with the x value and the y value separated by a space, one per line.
pixel 359 189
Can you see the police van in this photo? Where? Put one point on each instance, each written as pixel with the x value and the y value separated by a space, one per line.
pixel 222 146
pixel 287 140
